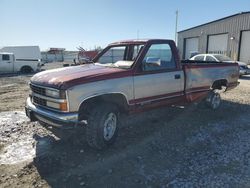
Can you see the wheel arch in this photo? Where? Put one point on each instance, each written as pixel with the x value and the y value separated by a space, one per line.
pixel 26 67
pixel 116 98
pixel 218 84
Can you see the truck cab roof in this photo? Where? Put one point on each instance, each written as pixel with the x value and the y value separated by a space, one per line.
pixel 137 41
pixel 6 53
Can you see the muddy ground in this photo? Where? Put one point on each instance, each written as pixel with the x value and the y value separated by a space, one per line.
pixel 168 147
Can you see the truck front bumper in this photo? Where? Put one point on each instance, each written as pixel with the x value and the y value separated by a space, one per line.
pixel 64 120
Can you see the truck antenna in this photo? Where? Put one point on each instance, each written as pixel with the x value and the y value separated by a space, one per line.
pixel 176 25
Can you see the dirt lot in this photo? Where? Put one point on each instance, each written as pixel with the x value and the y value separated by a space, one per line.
pixel 169 147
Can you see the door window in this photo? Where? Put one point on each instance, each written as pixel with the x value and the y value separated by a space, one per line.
pixel 158 57
pixel 210 58
pixel 199 58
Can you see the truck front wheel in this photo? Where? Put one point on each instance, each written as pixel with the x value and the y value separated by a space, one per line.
pixel 102 126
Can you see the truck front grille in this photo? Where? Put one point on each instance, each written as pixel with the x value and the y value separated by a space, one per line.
pixel 38 90
pixel 39 101
pixel 40 98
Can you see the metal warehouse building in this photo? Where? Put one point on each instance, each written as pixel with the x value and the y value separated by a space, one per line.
pixel 229 36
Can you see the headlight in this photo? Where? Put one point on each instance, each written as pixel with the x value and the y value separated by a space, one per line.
pixel 52 93
pixel 60 106
pixel 53 105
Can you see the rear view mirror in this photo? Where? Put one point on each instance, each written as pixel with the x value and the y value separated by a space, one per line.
pixel 151 62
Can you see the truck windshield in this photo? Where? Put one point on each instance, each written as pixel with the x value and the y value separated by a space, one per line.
pixel 120 56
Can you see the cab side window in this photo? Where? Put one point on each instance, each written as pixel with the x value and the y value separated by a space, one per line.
pixel 158 57
pixel 6 57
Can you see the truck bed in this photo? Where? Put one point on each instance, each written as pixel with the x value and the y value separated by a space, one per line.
pixel 201 76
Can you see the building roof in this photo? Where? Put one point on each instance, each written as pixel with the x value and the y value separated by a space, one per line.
pixel 55 50
pixel 241 13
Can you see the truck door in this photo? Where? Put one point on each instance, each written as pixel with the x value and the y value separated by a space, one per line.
pixel 6 63
pixel 158 80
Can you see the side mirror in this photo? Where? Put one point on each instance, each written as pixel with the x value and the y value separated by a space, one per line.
pixel 151 63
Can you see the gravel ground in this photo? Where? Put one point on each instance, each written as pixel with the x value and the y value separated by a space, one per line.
pixel 168 147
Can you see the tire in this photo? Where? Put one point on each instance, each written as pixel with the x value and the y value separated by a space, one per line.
pixel 213 100
pixel 102 126
pixel 26 69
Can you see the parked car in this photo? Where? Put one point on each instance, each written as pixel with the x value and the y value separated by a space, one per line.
pixel 9 64
pixel 243 68
pixel 126 77
pixel 24 59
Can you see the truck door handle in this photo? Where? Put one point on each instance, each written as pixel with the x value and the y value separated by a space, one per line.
pixel 177 76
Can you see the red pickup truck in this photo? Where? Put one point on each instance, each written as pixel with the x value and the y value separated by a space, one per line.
pixel 126 77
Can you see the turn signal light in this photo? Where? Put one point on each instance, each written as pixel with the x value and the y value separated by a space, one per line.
pixel 63 106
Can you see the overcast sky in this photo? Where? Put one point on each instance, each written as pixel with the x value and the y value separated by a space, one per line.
pixel 70 23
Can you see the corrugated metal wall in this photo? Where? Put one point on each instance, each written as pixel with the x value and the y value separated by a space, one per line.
pixel 50 57
pixel 232 25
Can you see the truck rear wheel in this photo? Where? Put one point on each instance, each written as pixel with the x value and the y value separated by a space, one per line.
pixel 26 69
pixel 102 126
pixel 213 100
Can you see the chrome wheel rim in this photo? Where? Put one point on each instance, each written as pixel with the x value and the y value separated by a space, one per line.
pixel 109 126
pixel 216 101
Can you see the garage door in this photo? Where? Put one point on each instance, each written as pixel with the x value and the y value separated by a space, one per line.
pixel 191 46
pixel 245 47
pixel 217 44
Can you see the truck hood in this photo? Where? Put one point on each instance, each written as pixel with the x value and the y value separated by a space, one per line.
pixel 64 78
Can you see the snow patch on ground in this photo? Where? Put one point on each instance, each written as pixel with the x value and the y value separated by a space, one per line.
pixel 18 152
pixel 12 118
pixel 18 143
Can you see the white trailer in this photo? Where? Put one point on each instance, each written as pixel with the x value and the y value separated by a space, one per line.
pixel 20 59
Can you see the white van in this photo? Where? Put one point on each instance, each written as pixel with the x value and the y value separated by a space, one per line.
pixel 24 59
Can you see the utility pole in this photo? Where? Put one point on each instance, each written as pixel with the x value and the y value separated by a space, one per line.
pixel 176 25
